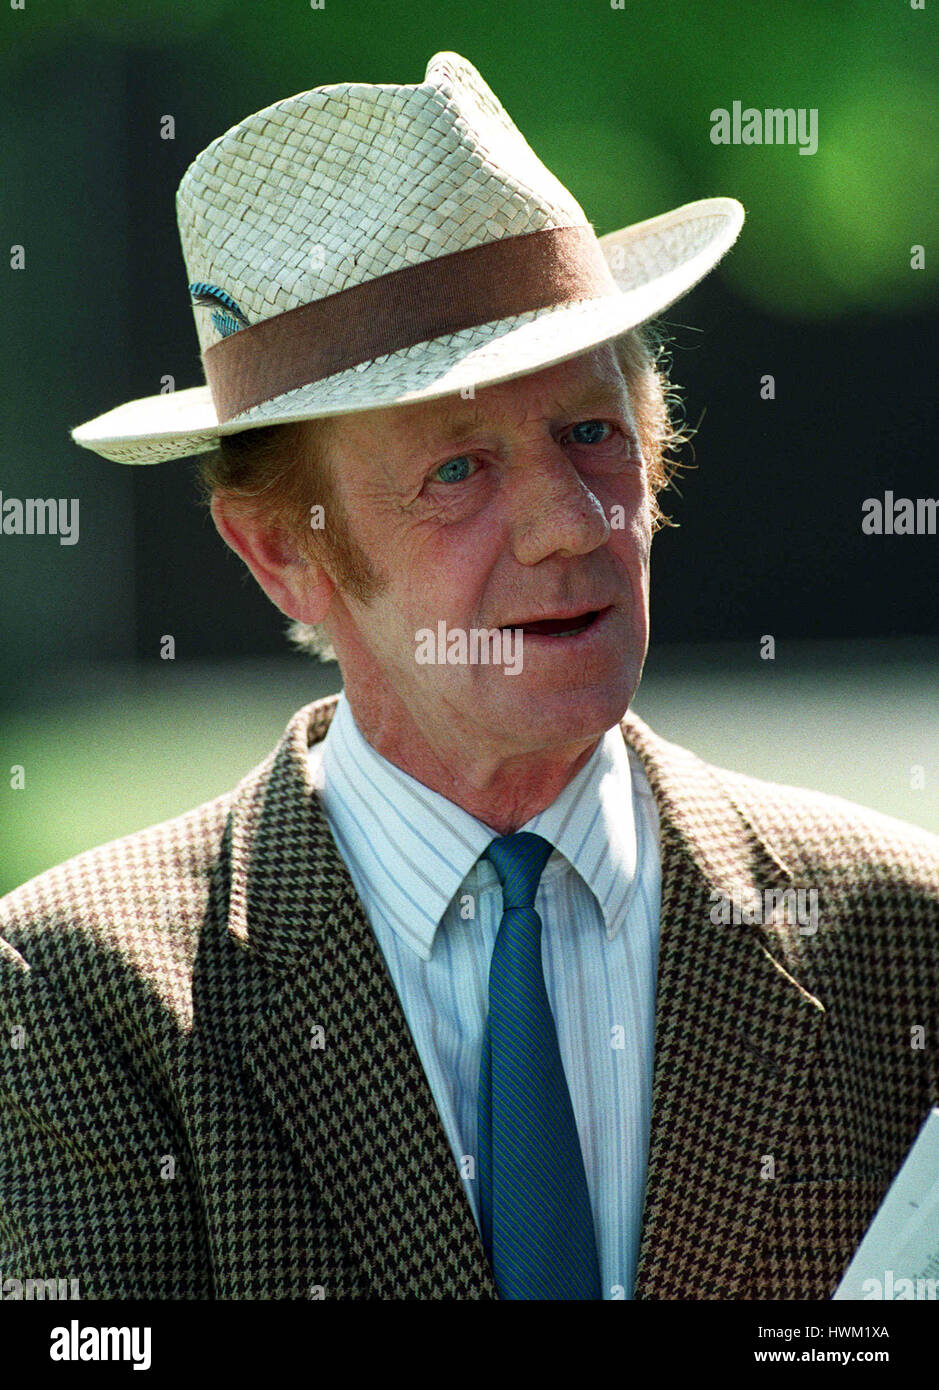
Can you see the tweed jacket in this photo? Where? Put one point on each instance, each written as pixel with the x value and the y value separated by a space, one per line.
pixel 208 1088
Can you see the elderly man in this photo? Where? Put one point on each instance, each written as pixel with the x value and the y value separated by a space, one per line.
pixel 475 988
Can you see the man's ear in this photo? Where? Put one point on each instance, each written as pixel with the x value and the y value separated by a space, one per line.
pixel 292 580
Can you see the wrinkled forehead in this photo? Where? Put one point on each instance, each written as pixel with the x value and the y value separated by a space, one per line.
pixel 592 381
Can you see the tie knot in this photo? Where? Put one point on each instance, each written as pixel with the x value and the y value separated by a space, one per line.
pixel 519 861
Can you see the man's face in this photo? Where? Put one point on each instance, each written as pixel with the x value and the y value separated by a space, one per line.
pixel 527 503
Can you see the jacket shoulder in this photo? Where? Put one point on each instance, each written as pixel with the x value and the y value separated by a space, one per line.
pixel 129 895
pixel 810 826
pixel 811 831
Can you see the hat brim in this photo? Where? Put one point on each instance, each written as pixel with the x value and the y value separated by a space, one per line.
pixel 653 263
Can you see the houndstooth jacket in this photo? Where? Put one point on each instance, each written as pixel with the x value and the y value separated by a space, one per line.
pixel 208 1088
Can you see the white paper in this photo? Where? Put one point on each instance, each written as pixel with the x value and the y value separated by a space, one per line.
pixel 899 1256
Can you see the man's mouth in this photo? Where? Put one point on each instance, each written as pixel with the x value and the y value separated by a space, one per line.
pixel 567 626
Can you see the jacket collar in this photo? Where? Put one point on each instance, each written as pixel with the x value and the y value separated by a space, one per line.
pixel 734 1032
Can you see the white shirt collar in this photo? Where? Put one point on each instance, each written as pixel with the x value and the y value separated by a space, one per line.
pixel 408 848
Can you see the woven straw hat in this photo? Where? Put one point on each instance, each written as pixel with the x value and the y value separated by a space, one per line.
pixel 359 246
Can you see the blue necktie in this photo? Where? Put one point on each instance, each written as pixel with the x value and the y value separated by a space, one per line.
pixel 537 1225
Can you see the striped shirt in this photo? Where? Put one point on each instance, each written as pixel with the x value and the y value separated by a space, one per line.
pixel 435 909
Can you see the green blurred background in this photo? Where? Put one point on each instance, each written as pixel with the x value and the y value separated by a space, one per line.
pixel 819 292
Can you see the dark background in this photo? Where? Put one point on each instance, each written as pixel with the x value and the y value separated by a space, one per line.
pixel 819 293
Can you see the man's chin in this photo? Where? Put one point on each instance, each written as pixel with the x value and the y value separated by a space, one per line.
pixel 537 715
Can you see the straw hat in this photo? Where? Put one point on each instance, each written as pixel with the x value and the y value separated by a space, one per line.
pixel 359 245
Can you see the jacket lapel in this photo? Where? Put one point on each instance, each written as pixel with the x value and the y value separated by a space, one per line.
pixel 734 1037
pixel 328 1045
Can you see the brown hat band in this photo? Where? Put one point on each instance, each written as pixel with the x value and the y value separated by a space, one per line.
pixel 413 305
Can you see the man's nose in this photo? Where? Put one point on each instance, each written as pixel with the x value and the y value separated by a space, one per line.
pixel 552 510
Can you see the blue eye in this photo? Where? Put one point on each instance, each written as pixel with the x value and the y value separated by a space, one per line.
pixel 454 470
pixel 591 432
